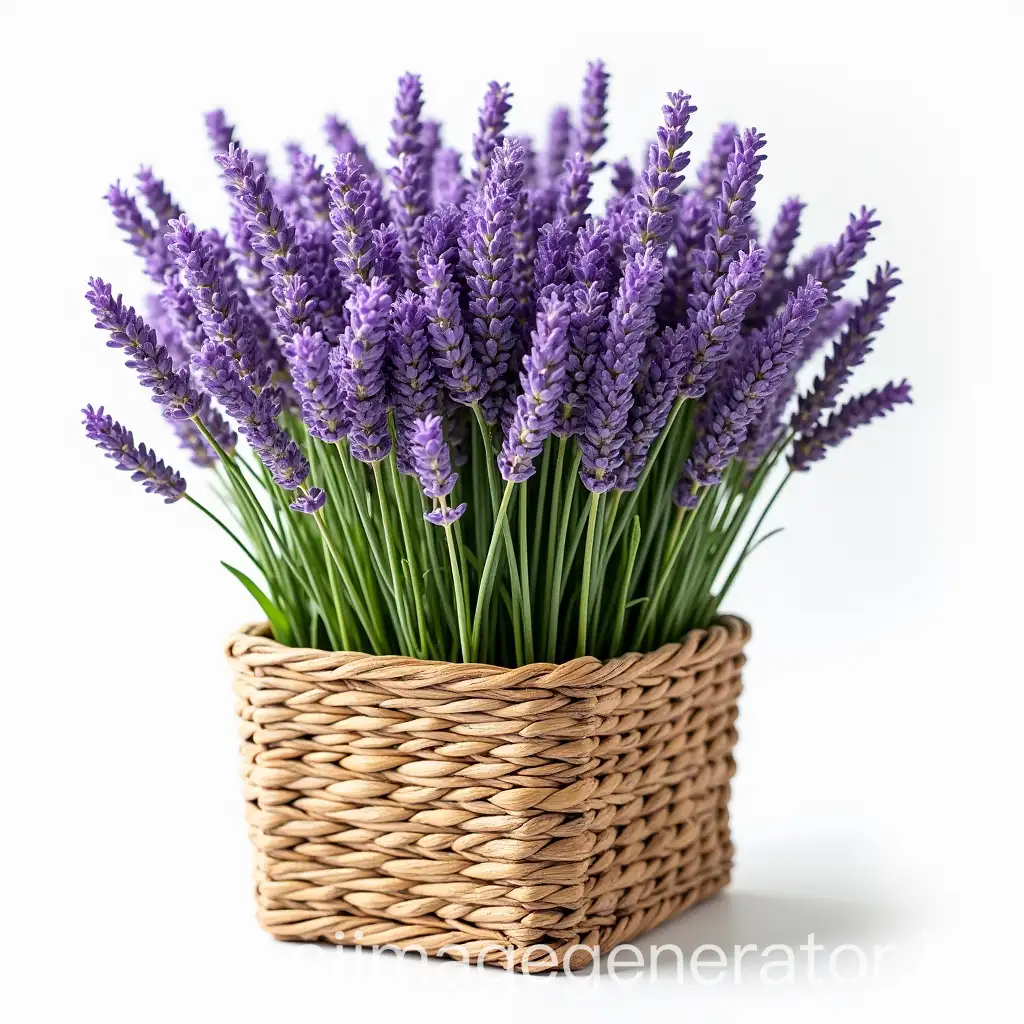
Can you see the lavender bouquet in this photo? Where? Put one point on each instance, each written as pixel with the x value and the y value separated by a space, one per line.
pixel 482 420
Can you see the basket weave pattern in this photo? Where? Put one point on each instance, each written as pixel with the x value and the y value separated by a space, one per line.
pixel 404 802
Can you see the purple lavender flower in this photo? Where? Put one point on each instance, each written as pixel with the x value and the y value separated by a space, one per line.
pixel 691 230
pixel 158 199
pixel 718 323
pixel 653 404
pixel 850 350
pixel 574 191
pixel 323 407
pixel 594 111
pixel 559 139
pixel 310 502
pixel 312 196
pixel 588 320
pixel 552 267
pixel 453 355
pixel 657 196
pixel 524 247
pixel 274 239
pixel 410 177
pixel 118 444
pixel 340 137
pixel 129 332
pixel 624 177
pixel 352 217
pixel 216 303
pixel 441 234
pixel 359 365
pixel 610 395
pixel 411 380
pixel 836 265
pixel 728 228
pixel 139 232
pixel 814 445
pixel 220 133
pixel 386 247
pixel 542 380
pixel 451 186
pixel 762 369
pixel 711 173
pixel 432 464
pixel 779 246
pixel 491 125
pixel 487 252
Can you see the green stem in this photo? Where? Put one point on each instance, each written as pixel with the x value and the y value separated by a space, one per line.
pixel 524 570
pixel 588 554
pixel 489 571
pixel 401 613
pixel 458 584
pixel 227 529
pixel 615 646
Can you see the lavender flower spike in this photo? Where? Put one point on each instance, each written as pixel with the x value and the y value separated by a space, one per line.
pixel 780 244
pixel 859 411
pixel 487 247
pixel 129 332
pixel 118 444
pixel 728 230
pixel 762 370
pixel 451 186
pixel 352 217
pixel 611 388
pixel 359 365
pixel 836 265
pixel 410 177
pixel 139 232
pixel 453 356
pixel 543 381
pixel 574 191
pixel 559 139
pixel 718 323
pixel 711 173
pixel 432 463
pixel 220 133
pixel 657 196
pixel 849 351
pixel 310 502
pixel 158 199
pixel 491 126
pixel 624 177
pixel 591 271
pixel 323 407
pixel 594 111
pixel 411 382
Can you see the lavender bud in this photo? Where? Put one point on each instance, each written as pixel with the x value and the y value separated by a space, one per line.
pixel 611 388
pixel 410 177
pixel 624 177
pixel 814 445
pixel 451 186
pixel 559 138
pixel 711 173
pixel 158 199
pixel 574 191
pixel 118 444
pixel 657 196
pixel 594 111
pixel 542 380
pixel 129 332
pixel 411 375
pixel 491 124
pixel 352 217
pixel 728 229
pixel 850 350
pixel 311 502
pixel 359 365
pixel 323 408
pixel 487 251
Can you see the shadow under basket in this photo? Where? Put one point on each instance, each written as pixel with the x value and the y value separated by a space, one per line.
pixel 525 817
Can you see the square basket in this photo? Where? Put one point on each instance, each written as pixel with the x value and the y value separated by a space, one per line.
pixel 526 817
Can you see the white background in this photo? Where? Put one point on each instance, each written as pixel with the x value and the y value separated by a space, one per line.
pixel 876 799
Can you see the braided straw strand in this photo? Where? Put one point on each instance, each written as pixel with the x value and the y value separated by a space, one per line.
pixel 484 813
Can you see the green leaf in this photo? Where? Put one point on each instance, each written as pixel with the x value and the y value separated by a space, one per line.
pixel 278 621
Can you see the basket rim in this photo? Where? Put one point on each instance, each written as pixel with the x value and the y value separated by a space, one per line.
pixel 253 645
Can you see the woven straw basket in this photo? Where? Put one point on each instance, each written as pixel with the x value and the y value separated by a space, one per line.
pixel 523 817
